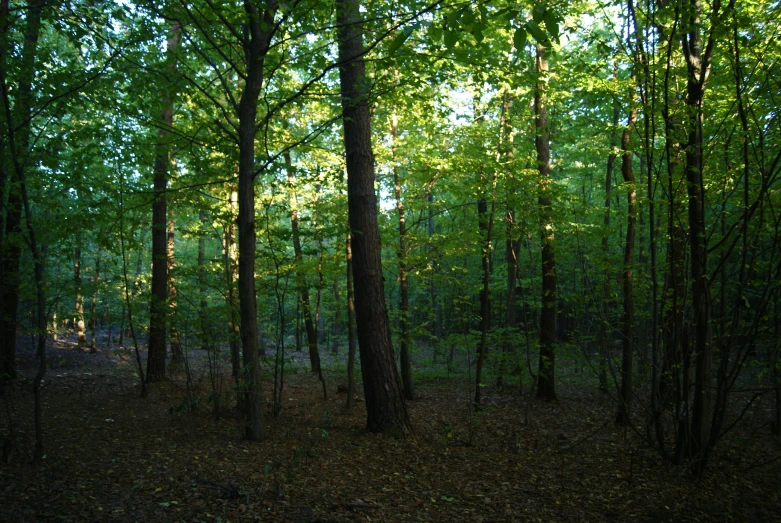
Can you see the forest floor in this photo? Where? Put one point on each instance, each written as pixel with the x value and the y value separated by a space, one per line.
pixel 113 456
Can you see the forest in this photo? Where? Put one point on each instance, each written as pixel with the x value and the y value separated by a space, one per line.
pixel 414 260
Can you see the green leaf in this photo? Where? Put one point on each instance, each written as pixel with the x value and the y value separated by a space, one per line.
pixel 519 38
pixel 537 13
pixel 435 33
pixel 483 14
pixel 451 37
pixel 537 33
pixel 452 19
pixel 468 20
pixel 400 39
pixel 552 24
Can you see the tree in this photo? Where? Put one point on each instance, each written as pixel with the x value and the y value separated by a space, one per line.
pixel 311 335
pixel 262 28
pixel 545 386
pixel 159 307
pixel 385 406
pixel 16 126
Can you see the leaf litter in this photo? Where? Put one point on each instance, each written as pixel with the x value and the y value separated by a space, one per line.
pixel 112 456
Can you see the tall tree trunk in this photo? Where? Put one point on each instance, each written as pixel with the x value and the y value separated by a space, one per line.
pixel 136 284
pixel 404 355
pixel 604 339
pixel 19 144
pixel 93 310
pixel 6 352
pixel 435 308
pixel 698 68
pixel 203 304
pixel 627 319
pixel 231 276
pixel 485 296
pixel 303 289
pixel 486 223
pixel 261 29
pixel 350 324
pixel 547 364
pixel 10 251
pixel 385 406
pixel 173 332
pixel 509 347
pixel 319 317
pixel 81 333
pixel 158 307
pixel 17 130
pixel 336 327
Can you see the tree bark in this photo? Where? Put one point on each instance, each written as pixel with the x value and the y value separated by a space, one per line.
pixel 261 29
pixel 19 144
pixel 336 327
pixel 93 311
pixel 547 363
pixel 177 355
pixel 311 334
pixel 231 276
pixel 350 324
pixel 604 339
pixel 385 406
pixel 404 349
pixel 698 68
pixel 627 321
pixel 81 333
pixel 158 306
pixel 203 304
pixel 17 122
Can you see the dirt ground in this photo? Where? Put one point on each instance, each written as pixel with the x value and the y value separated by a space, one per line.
pixel 112 456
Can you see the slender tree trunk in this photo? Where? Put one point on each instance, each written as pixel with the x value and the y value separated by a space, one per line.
pixel 81 333
pixel 404 349
pixel 385 406
pixel 350 325
pixel 336 328
pixel 10 251
pixel 7 351
pixel 509 348
pixel 627 321
pixel 701 410
pixel 604 339
pixel 261 29
pixel 505 150
pixel 177 357
pixel 311 334
pixel 128 303
pixel 485 298
pixel 93 311
pixel 17 131
pixel 203 304
pixel 136 284
pixel 231 276
pixel 775 377
pixel 435 308
pixel 298 326
pixel 19 142
pixel 319 317
pixel 487 224
pixel 545 385
pixel 158 307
